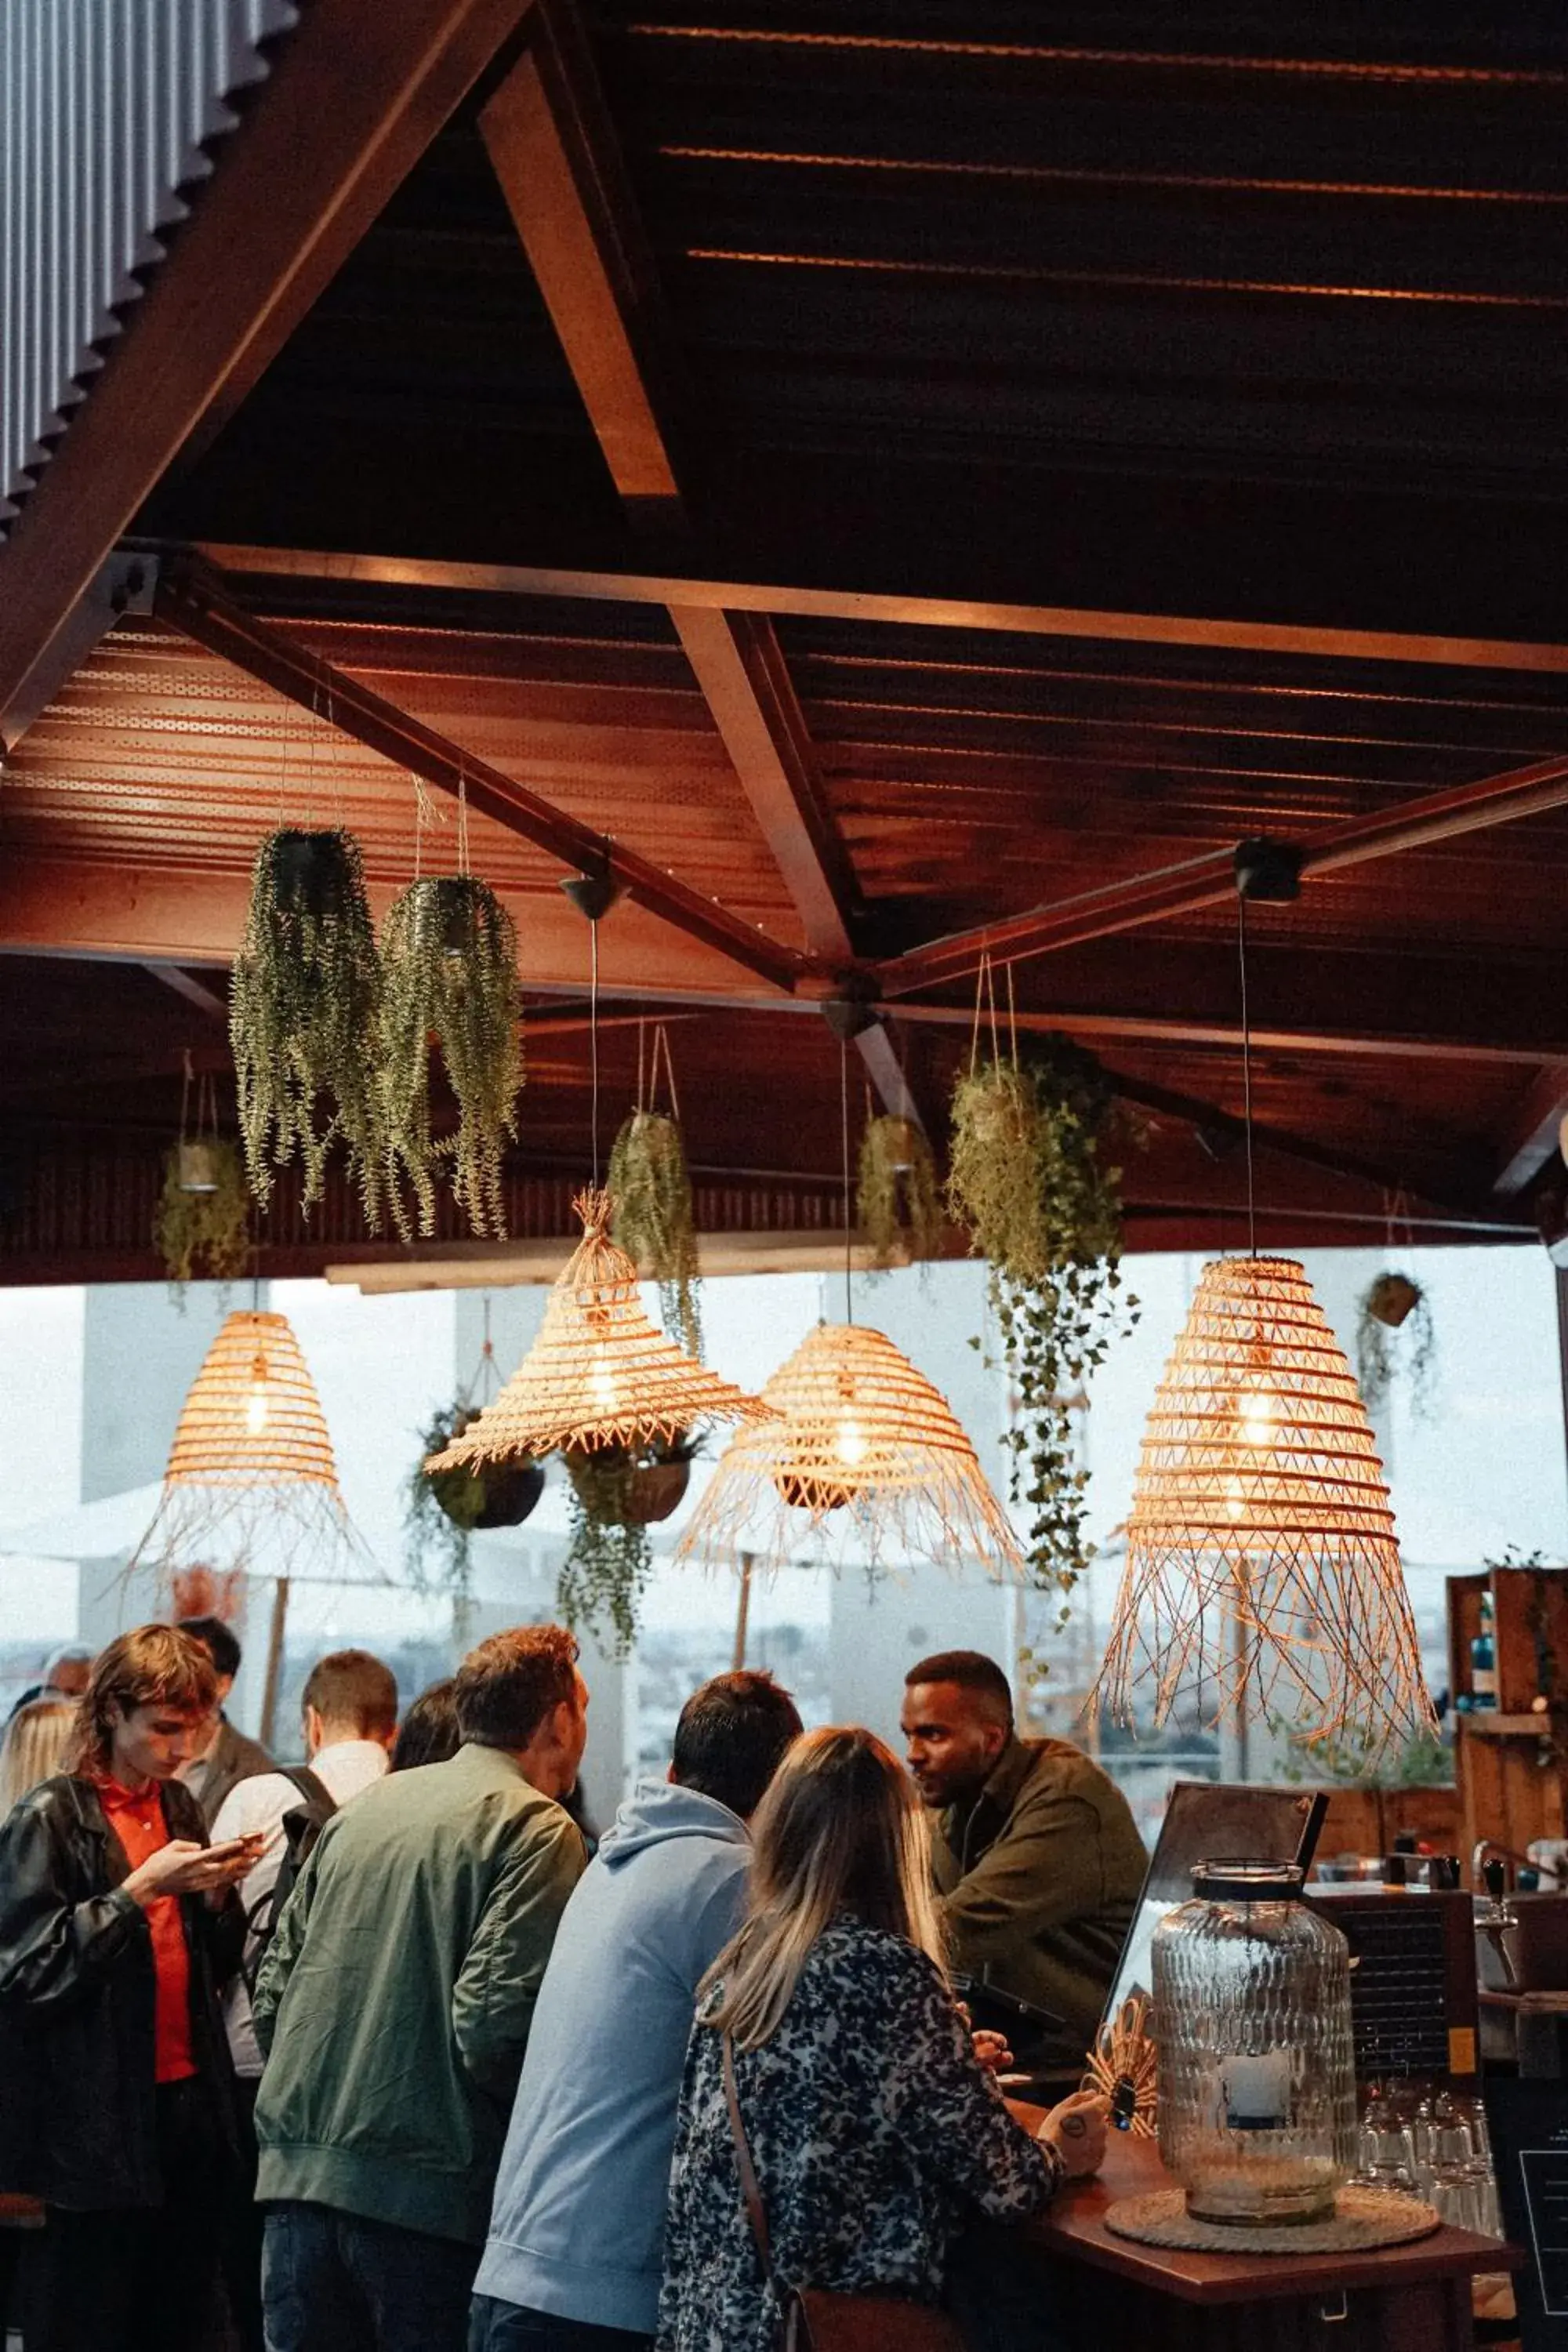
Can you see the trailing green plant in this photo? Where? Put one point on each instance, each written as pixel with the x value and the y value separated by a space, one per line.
pixel 303 1014
pixel 441 1510
pixel 897 1201
pixel 610 1558
pixel 655 1222
pixel 449 972
pixel 1359 1759
pixel 1394 1338
pixel 1042 1205
pixel 207 1232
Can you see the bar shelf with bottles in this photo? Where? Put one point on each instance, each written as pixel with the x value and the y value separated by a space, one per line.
pixel 1507 1674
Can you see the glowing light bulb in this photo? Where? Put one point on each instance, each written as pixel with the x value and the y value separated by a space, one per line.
pixel 255 1400
pixel 851 1443
pixel 603 1389
pixel 1257 1418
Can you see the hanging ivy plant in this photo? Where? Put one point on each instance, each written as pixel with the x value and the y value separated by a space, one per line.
pixel 449 972
pixel 616 1494
pixel 653 1218
pixel 1029 1181
pixel 1394 1336
pixel 201 1225
pixel 303 1013
pixel 897 1202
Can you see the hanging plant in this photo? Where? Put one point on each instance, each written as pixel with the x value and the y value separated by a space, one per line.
pixel 897 1202
pixel 449 965
pixel 616 1495
pixel 201 1225
pixel 1394 1336
pixel 1029 1181
pixel 303 1013
pixel 443 1508
pixel 654 1219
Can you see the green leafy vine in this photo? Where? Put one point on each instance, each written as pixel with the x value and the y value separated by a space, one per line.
pixel 655 1221
pixel 898 1203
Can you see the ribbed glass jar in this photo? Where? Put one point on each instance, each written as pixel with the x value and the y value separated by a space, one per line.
pixel 1252 2024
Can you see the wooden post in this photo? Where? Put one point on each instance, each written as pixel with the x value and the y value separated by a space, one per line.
pixel 274 1660
pixel 743 1609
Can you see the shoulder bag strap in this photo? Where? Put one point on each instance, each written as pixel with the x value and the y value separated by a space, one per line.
pixel 750 2190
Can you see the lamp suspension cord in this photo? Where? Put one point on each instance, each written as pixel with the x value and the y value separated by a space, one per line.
pixel 843 1131
pixel 594 1038
pixel 1247 1078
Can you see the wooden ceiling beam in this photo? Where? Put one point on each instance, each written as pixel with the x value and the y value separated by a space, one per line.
pixel 553 149
pixel 1209 879
pixel 685 578
pixel 1532 1136
pixel 199 607
pixel 353 99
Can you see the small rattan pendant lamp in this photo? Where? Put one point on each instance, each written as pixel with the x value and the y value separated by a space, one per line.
pixel 1262 1575
pixel 864 1463
pixel 251 1481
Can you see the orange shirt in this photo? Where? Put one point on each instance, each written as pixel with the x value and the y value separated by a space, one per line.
pixel 136 1817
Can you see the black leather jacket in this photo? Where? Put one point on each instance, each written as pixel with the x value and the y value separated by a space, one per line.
pixel 78 2000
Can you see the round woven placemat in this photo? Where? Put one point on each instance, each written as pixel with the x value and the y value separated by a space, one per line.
pixel 1363 2218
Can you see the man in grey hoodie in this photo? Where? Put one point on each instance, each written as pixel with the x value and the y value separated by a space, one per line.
pixel 575 2248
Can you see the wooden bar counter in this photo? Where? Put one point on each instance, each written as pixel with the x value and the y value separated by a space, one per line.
pixel 1113 2295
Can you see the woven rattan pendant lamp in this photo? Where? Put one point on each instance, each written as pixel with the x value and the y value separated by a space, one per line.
pixel 599 1374
pixel 251 1481
pixel 865 1464
pixel 1262 1576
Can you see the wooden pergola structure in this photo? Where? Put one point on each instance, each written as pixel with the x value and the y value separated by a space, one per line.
pixel 891 488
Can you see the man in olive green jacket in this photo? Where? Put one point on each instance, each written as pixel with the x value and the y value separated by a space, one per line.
pixel 395 2002
pixel 1036 1859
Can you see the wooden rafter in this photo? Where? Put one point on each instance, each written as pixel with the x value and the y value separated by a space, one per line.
pixel 1533 1137
pixel 201 608
pixel 552 149
pixel 683 577
pixel 1209 879
pixel 354 99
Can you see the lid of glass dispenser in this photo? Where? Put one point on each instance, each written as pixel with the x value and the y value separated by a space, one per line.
pixel 1238 1880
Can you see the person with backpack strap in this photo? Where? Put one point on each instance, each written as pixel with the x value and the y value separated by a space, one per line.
pixel 348 1714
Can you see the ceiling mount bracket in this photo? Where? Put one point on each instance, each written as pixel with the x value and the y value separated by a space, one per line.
pixel 594 891
pixel 1268 870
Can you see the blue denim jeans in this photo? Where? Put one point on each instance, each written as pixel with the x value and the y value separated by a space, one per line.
pixel 333 2282
pixel 498 2326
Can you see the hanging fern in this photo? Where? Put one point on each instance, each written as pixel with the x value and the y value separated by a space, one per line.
pixel 1028 1179
pixel 303 1014
pixel 207 1231
pixel 449 966
pixel 897 1202
pixel 655 1221
pixel 610 1559
pixel 441 1510
pixel 1395 1335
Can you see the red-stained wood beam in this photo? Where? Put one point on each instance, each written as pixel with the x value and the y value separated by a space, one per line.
pixel 1209 879
pixel 195 992
pixel 692 577
pixel 1533 1137
pixel 354 98
pixel 199 607
pixel 553 149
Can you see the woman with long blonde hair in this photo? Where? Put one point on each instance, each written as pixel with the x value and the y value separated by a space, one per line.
pixel 33 1747
pixel 870 2121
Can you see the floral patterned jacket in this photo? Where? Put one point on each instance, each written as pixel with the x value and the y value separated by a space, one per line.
pixel 871 2125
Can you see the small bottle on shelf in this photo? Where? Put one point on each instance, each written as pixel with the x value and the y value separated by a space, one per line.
pixel 1483 1661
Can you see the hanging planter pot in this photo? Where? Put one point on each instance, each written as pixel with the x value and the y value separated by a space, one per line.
pixel 616 1495
pixel 654 1219
pixel 303 1014
pixel 1391 1299
pixel 510 1493
pixel 631 1490
pixel 449 962
pixel 202 1229
pixel 897 1202
pixel 199 1168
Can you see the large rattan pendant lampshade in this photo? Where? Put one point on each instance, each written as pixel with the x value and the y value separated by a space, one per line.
pixel 251 1481
pixel 1262 1573
pixel 864 1463
pixel 598 1374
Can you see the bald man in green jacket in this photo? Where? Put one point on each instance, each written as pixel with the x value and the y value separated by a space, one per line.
pixel 1035 1855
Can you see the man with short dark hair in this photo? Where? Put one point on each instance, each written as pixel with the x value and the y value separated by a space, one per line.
pixel 575 2247
pixel 395 2004
pixel 228 1756
pixel 1035 1854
